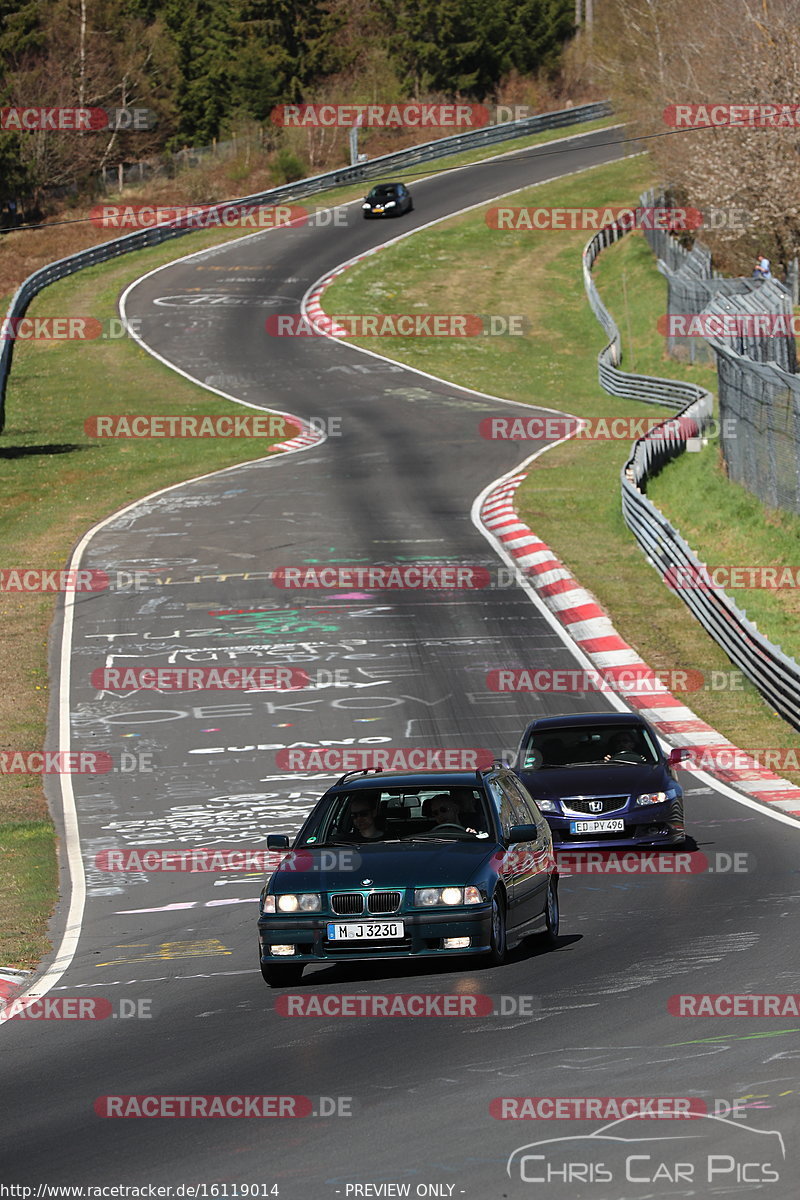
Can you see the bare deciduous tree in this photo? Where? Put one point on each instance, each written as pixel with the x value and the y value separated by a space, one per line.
pixel 655 53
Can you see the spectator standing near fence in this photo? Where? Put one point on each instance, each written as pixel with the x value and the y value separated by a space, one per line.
pixel 761 270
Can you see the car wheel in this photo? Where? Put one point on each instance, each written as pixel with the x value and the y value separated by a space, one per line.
pixel 497 953
pixel 281 974
pixel 551 914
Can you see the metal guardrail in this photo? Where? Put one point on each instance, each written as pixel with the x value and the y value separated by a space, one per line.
pixel 775 674
pixel 372 169
pixel 649 388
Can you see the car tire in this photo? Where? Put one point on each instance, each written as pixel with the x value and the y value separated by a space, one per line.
pixel 281 974
pixel 496 955
pixel 551 915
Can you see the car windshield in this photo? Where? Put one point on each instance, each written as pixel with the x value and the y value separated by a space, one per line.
pixel 582 745
pixel 400 814
pixel 379 194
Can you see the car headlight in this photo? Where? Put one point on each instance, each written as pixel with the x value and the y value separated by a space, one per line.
pixel 448 896
pixel 653 798
pixel 547 805
pixel 365 205
pixel 289 902
pixel 391 204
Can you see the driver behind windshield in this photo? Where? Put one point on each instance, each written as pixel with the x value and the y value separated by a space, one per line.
pixel 364 817
pixel 625 745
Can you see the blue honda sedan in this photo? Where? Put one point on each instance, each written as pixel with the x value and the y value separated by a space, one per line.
pixel 602 779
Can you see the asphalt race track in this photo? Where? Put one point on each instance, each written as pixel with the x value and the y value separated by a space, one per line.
pixel 409 1098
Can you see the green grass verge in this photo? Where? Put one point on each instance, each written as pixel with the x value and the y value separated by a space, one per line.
pixel 727 526
pixel 571 498
pixel 29 882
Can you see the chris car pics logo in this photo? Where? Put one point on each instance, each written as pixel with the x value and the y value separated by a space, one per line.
pixel 711 1156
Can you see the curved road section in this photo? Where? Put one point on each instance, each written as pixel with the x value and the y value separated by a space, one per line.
pixel 161 967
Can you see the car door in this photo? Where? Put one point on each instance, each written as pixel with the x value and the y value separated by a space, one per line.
pixel 509 866
pixel 534 858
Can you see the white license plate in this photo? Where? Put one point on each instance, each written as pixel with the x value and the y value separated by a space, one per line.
pixel 611 825
pixel 367 931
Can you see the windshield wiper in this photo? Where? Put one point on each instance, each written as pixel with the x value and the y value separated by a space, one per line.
pixel 593 762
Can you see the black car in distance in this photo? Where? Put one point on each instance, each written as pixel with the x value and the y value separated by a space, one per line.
pixel 387 200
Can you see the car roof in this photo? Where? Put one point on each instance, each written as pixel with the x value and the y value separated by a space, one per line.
pixel 415 779
pixel 585 720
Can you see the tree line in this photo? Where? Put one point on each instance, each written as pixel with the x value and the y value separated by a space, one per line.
pixel 204 67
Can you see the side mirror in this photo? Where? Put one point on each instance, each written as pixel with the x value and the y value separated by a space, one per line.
pixel 522 833
pixel 679 755
pixel 277 841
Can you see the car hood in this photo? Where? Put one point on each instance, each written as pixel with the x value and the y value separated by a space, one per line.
pixel 384 864
pixel 612 779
